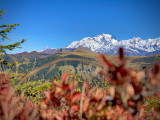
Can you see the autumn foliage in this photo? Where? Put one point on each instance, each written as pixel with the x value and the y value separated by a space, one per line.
pixel 126 99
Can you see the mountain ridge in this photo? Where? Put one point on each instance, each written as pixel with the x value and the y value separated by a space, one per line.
pixel 108 44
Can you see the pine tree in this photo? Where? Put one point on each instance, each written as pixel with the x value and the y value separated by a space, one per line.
pixel 4 30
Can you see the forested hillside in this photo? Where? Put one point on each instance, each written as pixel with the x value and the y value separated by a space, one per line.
pixel 31 61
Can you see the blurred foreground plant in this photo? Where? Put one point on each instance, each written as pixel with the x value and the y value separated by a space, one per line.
pixel 10 109
pixel 123 100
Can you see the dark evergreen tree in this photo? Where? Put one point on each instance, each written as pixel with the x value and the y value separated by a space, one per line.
pixel 4 30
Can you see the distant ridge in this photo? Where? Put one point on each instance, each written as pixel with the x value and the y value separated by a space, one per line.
pixel 53 50
pixel 48 50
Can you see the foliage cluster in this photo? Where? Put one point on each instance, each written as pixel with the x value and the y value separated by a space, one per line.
pixel 33 90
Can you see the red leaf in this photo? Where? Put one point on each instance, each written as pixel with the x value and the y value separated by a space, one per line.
pixel 121 53
pixel 65 87
pixel 76 96
pixel 76 107
pixel 47 94
pixel 95 97
pixel 28 104
pixel 87 86
pixel 71 86
pixel 143 106
pixel 3 91
pixel 105 62
pixel 131 103
pixel 86 104
pixel 150 75
pixel 64 78
pixel 22 98
pixel 91 91
pixel 156 69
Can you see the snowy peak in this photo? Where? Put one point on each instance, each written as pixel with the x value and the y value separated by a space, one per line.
pixel 95 42
pixel 136 40
pixel 108 44
pixel 48 50
pixel 105 36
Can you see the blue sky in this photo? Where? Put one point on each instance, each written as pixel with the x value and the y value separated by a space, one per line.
pixel 56 23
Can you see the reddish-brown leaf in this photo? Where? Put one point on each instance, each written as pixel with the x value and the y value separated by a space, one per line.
pixel 86 104
pixel 149 74
pixel 71 86
pixel 28 104
pixel 76 96
pixel 65 87
pixel 156 69
pixel 47 94
pixel 121 53
pixel 95 97
pixel 105 62
pixel 64 78
pixel 3 91
pixel 139 76
pixel 87 86
pixel 76 107
pixel 131 103
pixel 143 106
pixel 91 91
pixel 130 90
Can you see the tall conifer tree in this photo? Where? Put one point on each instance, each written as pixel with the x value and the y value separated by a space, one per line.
pixel 4 30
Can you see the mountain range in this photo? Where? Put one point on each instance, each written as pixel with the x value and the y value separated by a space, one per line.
pixel 84 50
pixel 108 44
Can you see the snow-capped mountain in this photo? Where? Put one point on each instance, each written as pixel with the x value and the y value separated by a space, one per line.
pixel 48 50
pixel 108 44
